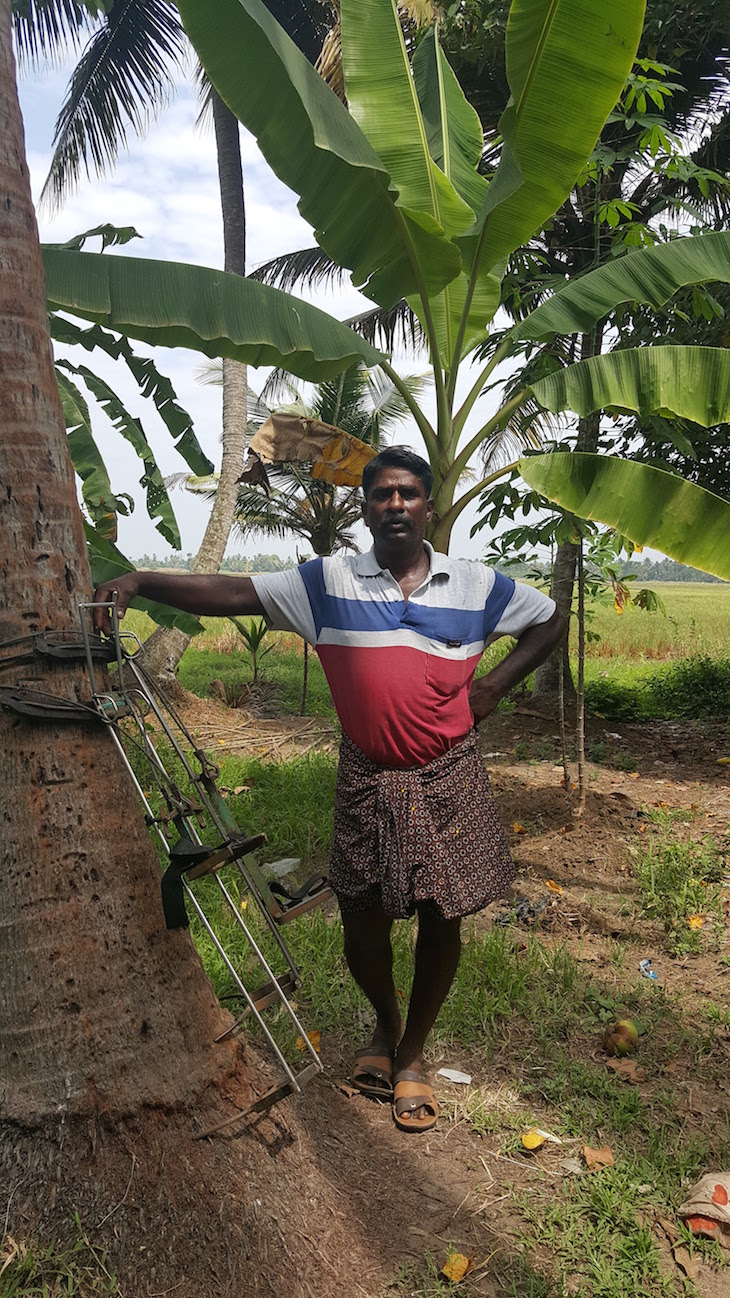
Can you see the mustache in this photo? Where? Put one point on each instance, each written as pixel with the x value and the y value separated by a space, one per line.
pixel 397 518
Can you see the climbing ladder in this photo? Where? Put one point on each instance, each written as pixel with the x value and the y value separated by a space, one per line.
pixel 127 711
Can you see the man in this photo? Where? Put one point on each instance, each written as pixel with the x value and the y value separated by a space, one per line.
pixel 399 632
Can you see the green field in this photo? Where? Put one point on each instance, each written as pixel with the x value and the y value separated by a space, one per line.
pixel 661 664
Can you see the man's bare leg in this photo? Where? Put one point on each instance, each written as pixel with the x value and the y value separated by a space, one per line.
pixel 369 956
pixel 438 949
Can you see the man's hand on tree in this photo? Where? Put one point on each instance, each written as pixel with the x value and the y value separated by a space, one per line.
pixel 124 588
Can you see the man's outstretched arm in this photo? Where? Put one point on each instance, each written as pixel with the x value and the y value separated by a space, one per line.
pixel 532 648
pixel 204 594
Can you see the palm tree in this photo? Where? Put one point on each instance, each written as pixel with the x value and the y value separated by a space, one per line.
pixel 108 1021
pixel 125 75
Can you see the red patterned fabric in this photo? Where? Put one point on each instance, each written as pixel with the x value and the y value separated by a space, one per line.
pixel 426 834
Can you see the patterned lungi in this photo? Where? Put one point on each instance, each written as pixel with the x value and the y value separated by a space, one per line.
pixel 426 834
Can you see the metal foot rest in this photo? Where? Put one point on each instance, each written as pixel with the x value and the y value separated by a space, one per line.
pixel 289 905
pixel 205 860
pixel 265 1102
pixel 195 860
pixel 261 999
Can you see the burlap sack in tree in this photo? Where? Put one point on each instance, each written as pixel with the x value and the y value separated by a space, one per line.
pixel 707 1208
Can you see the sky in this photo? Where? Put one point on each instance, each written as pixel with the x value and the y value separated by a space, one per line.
pixel 166 186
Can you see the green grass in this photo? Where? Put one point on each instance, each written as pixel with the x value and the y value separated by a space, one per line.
pixel 679 878
pixel 697 621
pixel 70 1269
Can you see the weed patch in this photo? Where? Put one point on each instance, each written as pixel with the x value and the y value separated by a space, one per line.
pixel 678 883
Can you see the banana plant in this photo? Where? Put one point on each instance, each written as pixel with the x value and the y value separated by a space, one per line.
pixel 392 187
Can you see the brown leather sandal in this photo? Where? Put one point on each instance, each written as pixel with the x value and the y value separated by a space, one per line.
pixel 411 1091
pixel 373 1074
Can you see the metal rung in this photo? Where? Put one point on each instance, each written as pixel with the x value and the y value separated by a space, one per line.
pixel 225 854
pixel 280 1092
pixel 286 913
pixel 261 1000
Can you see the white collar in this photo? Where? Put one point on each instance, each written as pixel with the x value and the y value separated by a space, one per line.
pixel 366 565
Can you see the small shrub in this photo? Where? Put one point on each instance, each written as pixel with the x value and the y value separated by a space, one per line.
pixel 599 751
pixel 624 761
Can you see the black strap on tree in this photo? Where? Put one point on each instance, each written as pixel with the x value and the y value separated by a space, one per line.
pixel 59 646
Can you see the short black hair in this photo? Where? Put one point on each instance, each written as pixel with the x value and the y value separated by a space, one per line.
pixel 397 457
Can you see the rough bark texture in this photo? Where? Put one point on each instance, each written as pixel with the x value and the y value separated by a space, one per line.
pixel 107 1021
pixel 165 648
pixel 93 985
pixel 547 678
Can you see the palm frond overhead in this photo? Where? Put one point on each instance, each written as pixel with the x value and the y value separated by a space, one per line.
pixel 388 406
pixel 307 268
pixel 122 78
pixel 44 29
pixel 414 15
pixel 395 329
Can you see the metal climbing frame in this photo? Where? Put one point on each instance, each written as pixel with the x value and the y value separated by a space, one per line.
pixel 125 711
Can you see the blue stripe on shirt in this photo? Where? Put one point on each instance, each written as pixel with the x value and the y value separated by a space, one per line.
pixel 464 624
pixel 313 577
pixel 497 601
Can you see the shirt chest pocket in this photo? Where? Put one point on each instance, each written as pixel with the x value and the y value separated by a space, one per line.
pixel 448 669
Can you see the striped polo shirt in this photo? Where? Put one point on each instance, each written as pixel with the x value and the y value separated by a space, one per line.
pixel 400 670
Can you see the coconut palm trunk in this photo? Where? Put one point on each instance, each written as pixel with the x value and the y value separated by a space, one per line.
pixel 165 647
pixel 108 1060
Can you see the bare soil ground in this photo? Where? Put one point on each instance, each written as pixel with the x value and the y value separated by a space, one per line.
pixel 402 1199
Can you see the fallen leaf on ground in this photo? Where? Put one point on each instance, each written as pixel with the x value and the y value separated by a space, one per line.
pixel 532 1139
pixel 634 775
pixel 457 1266
pixel 686 1263
pixel 313 1040
pixel 554 887
pixel 518 828
pixel 723 761
pixel 597 1159
pixel 628 1070
pixel 669 1228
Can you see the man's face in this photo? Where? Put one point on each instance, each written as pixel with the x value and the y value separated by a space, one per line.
pixel 397 510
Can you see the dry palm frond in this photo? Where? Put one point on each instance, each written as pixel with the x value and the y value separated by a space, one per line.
pixel 414 14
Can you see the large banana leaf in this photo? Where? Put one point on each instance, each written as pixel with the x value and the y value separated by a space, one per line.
pixel 567 63
pixel 159 507
pixel 649 506
pixel 382 98
pixel 107 562
pixel 315 146
pixel 171 304
pixel 652 276
pixel 685 382
pixel 455 143
pixel 87 460
pixel 453 130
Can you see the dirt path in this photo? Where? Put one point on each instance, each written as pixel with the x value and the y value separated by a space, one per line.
pixel 405 1202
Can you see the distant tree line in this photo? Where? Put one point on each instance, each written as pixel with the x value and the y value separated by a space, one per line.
pixel 234 563
pixel 645 570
